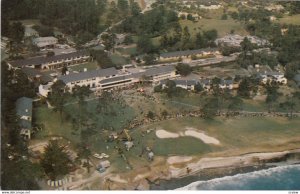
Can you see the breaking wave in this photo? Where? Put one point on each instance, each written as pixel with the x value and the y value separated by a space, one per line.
pixel 276 178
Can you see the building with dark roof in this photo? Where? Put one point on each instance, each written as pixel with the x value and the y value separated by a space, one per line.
pixel 36 75
pixel 24 112
pixel 110 78
pixel 88 78
pixel 185 84
pixel 187 54
pixel 52 62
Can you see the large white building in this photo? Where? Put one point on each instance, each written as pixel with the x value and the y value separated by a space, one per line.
pixel 52 62
pixel 104 79
pixel 45 42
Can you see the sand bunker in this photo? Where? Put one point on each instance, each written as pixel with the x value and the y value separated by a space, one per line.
pixel 165 134
pixel 192 132
pixel 179 159
pixel 200 135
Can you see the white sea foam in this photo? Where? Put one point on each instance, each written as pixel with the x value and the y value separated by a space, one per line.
pixel 237 179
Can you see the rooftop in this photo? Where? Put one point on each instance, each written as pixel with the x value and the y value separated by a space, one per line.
pixel 42 60
pixel 44 39
pixel 88 75
pixel 187 52
pixel 24 108
pixel 159 70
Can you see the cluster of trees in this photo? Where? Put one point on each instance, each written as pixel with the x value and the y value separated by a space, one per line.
pixel 13 86
pixel 152 23
pixel 171 90
pixel 286 44
pixel 120 9
pixel 183 69
pixel 182 39
pixel 249 57
pixel 102 58
pixel 77 17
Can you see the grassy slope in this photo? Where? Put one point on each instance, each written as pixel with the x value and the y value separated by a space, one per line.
pixel 294 19
pixel 222 26
pixel 236 135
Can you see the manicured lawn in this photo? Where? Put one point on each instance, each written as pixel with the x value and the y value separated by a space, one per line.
pixel 53 125
pixel 294 19
pixel 235 135
pixel 127 51
pixel 222 26
pixel 89 66
pixel 119 60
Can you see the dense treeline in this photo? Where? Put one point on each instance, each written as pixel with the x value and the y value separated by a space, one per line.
pixel 17 172
pixel 285 39
pixel 152 23
pixel 72 16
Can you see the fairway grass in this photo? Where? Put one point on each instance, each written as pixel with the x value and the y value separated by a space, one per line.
pixel 238 135
pixel 222 26
pixel 294 19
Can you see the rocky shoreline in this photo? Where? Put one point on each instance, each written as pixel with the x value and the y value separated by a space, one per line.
pixel 289 158
pixel 179 171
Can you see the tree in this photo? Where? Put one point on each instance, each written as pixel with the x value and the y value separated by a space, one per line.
pixel 102 58
pixel 183 69
pixel 58 97
pixel 44 30
pixel 144 45
pixel 55 160
pixel 123 6
pixel 150 115
pixel 210 35
pixel 246 45
pixel 289 105
pixel 291 69
pixel 81 92
pixel 149 59
pixel 170 88
pixel 64 70
pixel 85 152
pixel 128 40
pixel 272 95
pixel 135 8
pixel 16 32
pixel 224 17
pixel 210 108
pixel 198 88
pixel 190 17
pixel 235 104
pixel 186 36
pixel 158 88
pixel 200 42
pixel 109 40
pixel 164 114
pixel 244 88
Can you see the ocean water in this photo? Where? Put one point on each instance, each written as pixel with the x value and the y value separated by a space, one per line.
pixel 276 178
